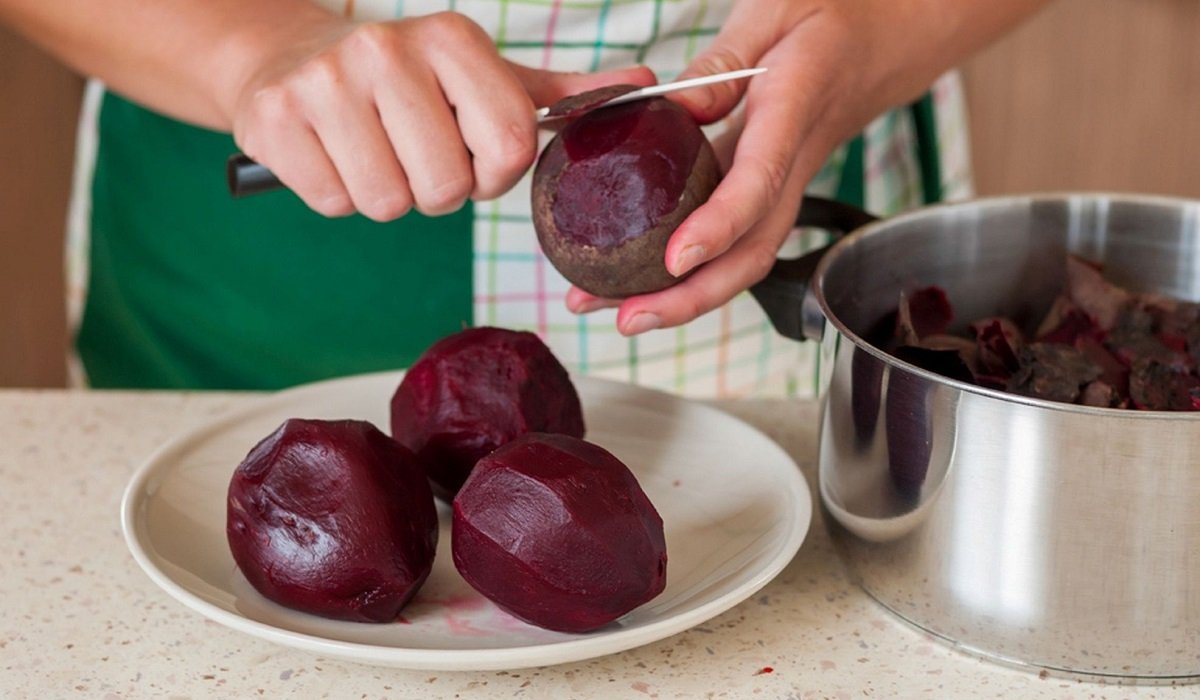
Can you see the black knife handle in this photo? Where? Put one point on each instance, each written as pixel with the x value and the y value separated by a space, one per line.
pixel 247 177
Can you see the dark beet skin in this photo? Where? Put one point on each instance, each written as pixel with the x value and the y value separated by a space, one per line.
pixel 611 188
pixel 472 392
pixel 576 105
pixel 1098 345
pixel 333 518
pixel 948 363
pixel 557 531
pixel 924 312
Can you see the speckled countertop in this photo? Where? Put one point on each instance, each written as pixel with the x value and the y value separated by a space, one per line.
pixel 78 618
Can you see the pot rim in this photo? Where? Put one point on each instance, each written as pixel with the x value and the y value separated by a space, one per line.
pixel 880 227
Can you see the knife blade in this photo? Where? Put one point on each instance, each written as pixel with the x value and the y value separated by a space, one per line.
pixel 543 115
pixel 245 177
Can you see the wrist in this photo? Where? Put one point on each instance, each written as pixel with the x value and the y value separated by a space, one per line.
pixel 261 44
pixel 919 40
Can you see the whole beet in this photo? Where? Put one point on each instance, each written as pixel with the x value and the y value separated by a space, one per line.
pixel 558 532
pixel 474 391
pixel 332 518
pixel 611 188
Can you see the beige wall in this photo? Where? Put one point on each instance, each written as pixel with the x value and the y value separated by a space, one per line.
pixel 1091 94
pixel 39 101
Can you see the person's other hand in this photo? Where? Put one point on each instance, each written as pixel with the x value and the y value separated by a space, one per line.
pixel 383 117
pixel 833 66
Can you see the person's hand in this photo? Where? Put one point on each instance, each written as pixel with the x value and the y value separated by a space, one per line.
pixel 833 67
pixel 383 117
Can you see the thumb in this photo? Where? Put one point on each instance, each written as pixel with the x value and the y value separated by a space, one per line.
pixel 546 87
pixel 741 43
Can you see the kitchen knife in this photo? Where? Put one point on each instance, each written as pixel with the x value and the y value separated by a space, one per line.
pixel 247 177
pixel 555 111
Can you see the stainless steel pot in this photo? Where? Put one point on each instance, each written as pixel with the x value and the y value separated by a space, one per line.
pixel 1042 534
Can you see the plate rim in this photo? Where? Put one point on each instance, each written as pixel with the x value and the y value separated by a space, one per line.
pixel 474 659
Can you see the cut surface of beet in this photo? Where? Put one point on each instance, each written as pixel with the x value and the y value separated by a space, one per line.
pixel 332 518
pixel 558 532
pixel 475 390
pixel 629 165
pixel 613 186
pixel 924 312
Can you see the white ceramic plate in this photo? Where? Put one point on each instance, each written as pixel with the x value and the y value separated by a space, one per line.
pixel 734 505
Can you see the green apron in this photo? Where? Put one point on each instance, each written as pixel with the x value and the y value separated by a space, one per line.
pixel 260 293
pixel 189 288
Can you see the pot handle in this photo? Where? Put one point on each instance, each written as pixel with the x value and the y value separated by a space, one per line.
pixel 784 293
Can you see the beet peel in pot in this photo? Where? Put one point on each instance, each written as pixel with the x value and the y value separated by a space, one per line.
pixel 1053 535
pixel 332 518
pixel 558 532
pixel 1098 345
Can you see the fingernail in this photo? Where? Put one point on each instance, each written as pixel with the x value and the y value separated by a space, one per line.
pixel 687 259
pixel 640 323
pixel 702 99
pixel 586 307
pixel 335 206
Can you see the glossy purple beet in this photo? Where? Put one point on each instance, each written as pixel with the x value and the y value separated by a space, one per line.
pixel 333 518
pixel 611 188
pixel 474 391
pixel 557 531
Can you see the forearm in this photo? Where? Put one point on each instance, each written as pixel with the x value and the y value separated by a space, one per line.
pixel 186 58
pixel 835 65
pixel 921 39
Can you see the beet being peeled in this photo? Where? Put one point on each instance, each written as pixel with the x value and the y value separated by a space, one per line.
pixel 474 391
pixel 332 518
pixel 611 188
pixel 558 532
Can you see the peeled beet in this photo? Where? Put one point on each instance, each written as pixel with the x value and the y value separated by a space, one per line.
pixel 557 531
pixel 472 392
pixel 332 518
pixel 611 188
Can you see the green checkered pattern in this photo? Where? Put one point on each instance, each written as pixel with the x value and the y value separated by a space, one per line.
pixel 732 351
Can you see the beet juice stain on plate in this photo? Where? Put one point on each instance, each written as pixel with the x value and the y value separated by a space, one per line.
pixel 727 534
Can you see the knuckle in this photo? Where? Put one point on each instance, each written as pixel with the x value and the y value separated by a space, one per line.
pixel 323 71
pixel 489 186
pixel 272 105
pixel 773 173
pixel 449 26
pixel 700 303
pixel 839 26
pixel 445 197
pixel 388 208
pixel 335 205
pixel 505 159
pixel 248 135
pixel 762 257
pixel 247 140
pixel 376 41
pixel 728 217
pixel 720 60
pixel 517 146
